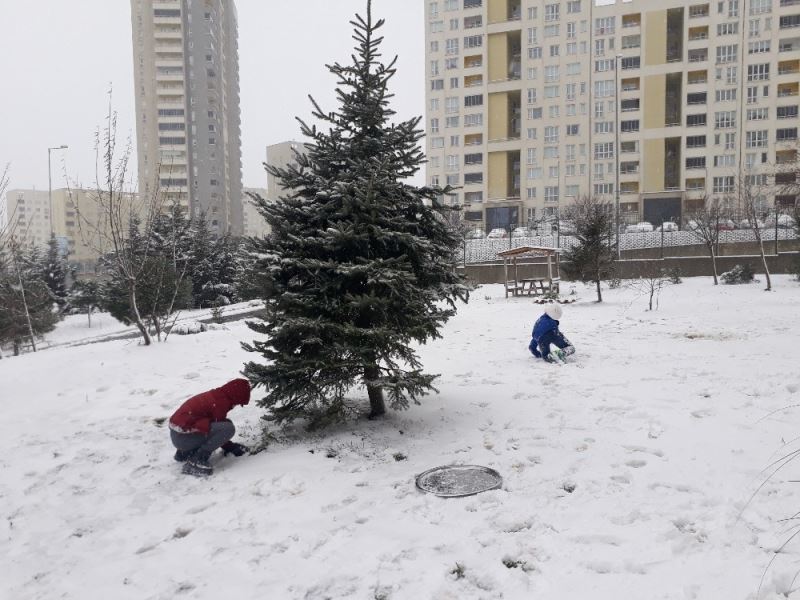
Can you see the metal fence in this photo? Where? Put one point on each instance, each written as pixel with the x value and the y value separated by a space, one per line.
pixel 477 251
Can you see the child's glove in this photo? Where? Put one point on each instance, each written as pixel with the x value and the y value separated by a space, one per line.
pixel 234 448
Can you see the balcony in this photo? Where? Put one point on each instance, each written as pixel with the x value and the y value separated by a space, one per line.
pixel 789 45
pixel 473 81
pixel 473 62
pixel 786 90
pixel 789 67
pixel 698 33
pixel 630 84
pixel 697 77
pixel 473 139
pixel 698 55
pixel 698 11
pixel 632 20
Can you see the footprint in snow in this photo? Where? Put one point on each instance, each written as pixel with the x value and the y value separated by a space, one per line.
pixel 636 464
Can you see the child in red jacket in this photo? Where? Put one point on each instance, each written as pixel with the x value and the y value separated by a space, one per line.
pixel 200 426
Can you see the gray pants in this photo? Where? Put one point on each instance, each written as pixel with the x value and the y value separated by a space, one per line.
pixel 219 433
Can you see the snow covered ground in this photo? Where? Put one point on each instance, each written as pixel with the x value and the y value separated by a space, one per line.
pixel 624 473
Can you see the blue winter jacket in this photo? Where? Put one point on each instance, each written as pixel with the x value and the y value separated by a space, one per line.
pixel 543 325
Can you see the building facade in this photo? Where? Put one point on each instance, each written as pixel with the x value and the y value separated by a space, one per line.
pixel 254 224
pixel 78 222
pixel 188 127
pixel 531 104
pixel 281 155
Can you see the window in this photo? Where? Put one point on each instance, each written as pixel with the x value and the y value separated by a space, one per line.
pixel 573 129
pixel 551 91
pixel 758 47
pixel 574 69
pixel 455 141
pixel 437 84
pixel 434 68
pixel 437 142
pixel 476 100
pixel 451 46
pixel 473 3
pixel 728 28
pixel 601 66
pixel 473 41
pixel 628 126
pixel 696 120
pixel 451 104
pixel 601 189
pixel 451 122
pixel 696 162
pixel 551 134
pixel 473 22
pixel 531 156
pixel 574 7
pixel 756 139
pixel 473 178
pixel 790 21
pixel 172 141
pixel 788 134
pixel 551 151
pixel 551 194
pixel 604 26
pixel 695 141
pixel 473 159
pixel 171 126
pixel 570 90
pixel 604 89
pixel 757 114
pixel 553 172
pixel 723 185
pixel 454 23
pixel 604 127
pixel 758 72
pixel 535 52
pixel 571 31
pixel 787 112
pixel 437 26
pixel 727 95
pixel 534 113
pixel 551 12
pixel 551 73
pixel 474 120
pixel 533 133
pixel 551 31
pixel 629 105
pixel 696 98
pixel 166 12
pixel 628 147
pixel 760 7
pixel 725 119
pixel 555 50
pixel 727 54
pixel 604 150
pixel 570 152
pixel 631 62
pixel 473 197
pixel 725 160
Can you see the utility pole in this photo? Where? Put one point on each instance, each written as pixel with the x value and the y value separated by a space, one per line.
pixel 616 152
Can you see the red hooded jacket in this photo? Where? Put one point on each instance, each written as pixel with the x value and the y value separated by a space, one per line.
pixel 198 412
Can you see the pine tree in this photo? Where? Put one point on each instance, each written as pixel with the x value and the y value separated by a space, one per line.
pixel 86 296
pixel 358 266
pixel 591 259
pixel 26 304
pixel 55 272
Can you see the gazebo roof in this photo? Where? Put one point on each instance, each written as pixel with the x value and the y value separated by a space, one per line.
pixel 534 250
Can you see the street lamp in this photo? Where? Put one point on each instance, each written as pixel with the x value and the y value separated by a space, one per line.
pixel 616 151
pixel 50 184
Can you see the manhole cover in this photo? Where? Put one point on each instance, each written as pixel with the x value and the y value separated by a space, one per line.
pixel 454 481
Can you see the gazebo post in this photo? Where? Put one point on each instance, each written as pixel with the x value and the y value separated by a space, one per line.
pixel 516 276
pixel 505 275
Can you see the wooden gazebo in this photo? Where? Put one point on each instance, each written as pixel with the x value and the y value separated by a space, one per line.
pixel 531 286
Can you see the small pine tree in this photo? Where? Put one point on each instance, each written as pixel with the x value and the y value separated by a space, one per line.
pixel 86 296
pixel 591 259
pixel 358 266
pixel 26 304
pixel 55 272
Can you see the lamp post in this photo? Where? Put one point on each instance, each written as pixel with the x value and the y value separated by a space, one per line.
pixel 50 184
pixel 616 151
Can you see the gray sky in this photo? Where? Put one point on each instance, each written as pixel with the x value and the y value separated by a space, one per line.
pixel 58 59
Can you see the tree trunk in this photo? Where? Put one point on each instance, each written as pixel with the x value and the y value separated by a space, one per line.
pixel 89 314
pixel 763 258
pixel 599 293
pixel 377 406
pixel 137 318
pixel 714 263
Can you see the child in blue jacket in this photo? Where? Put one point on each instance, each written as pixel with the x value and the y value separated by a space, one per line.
pixel 545 332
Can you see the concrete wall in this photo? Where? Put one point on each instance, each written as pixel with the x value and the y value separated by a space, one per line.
pixel 693 262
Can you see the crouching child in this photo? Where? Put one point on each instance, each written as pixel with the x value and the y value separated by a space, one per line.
pixel 546 334
pixel 200 426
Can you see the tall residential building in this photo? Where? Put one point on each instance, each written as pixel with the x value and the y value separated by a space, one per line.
pixel 532 103
pixel 281 155
pixel 254 224
pixel 186 71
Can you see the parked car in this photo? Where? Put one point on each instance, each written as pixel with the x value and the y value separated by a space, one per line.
pixel 641 227
pixel 745 224
pixel 667 226
pixel 784 221
pixel 521 232
pixel 475 234
pixel 726 225
pixel 496 234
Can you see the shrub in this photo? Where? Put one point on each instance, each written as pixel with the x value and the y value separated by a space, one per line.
pixel 739 274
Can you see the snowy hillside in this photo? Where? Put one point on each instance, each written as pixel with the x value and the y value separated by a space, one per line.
pixel 625 472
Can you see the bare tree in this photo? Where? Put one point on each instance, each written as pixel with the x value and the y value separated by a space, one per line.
pixel 651 282
pixel 115 213
pixel 704 224
pixel 751 191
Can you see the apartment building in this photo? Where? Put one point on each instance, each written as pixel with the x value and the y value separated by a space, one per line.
pixel 78 222
pixel 188 129
pixel 281 155
pixel 531 104
pixel 254 224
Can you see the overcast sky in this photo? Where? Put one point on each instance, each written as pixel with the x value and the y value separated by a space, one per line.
pixel 58 58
